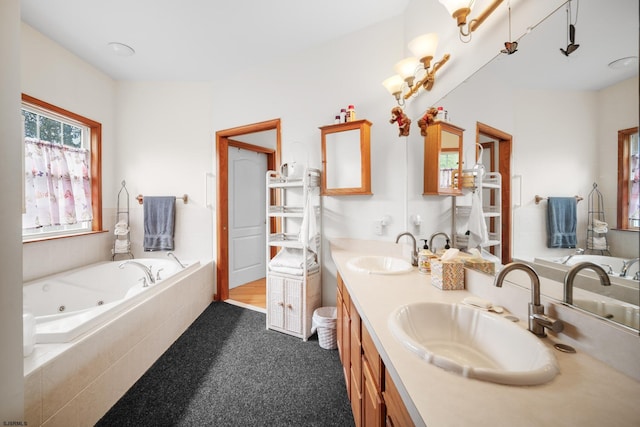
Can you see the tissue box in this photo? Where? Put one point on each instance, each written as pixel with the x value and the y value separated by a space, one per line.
pixel 447 275
pixel 481 265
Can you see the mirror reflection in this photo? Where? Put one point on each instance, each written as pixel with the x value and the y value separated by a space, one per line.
pixel 564 113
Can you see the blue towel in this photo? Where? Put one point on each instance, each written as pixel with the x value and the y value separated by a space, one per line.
pixel 561 222
pixel 159 222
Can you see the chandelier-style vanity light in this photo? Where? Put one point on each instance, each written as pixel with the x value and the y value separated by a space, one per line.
pixel 403 85
pixel 460 10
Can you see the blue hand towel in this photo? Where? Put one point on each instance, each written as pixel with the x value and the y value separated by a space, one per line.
pixel 561 222
pixel 159 222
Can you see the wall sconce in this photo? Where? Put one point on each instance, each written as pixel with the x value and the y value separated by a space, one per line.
pixel 460 10
pixel 424 48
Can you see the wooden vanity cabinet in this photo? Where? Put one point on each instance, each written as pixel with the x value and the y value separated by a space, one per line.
pixel 375 400
pixel 443 159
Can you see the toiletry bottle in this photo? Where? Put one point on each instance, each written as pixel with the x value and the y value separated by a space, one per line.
pixel 337 119
pixel 343 115
pixel 440 115
pixel 351 113
pixel 424 258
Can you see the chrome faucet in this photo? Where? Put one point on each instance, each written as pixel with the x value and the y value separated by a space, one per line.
pixel 172 255
pixel 573 271
pixel 148 274
pixel 626 265
pixel 579 251
pixel 414 252
pixel 538 321
pixel 440 233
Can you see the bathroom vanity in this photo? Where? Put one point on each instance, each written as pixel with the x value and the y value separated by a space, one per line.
pixel 389 383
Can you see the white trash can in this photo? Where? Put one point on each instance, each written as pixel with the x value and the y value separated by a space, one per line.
pixel 324 321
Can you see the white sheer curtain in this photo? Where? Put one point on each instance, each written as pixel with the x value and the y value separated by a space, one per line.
pixel 57 184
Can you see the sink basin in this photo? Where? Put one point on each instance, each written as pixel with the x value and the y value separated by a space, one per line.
pixel 379 265
pixel 473 343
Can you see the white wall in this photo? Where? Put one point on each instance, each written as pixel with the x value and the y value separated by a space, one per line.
pixel 165 147
pixel 11 385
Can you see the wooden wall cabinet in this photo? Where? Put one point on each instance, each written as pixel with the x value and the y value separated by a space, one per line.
pixel 346 158
pixel 443 159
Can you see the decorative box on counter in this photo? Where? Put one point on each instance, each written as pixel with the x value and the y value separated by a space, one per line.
pixel 481 265
pixel 447 275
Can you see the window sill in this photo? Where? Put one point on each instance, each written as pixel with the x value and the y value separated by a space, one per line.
pixel 628 230
pixel 66 236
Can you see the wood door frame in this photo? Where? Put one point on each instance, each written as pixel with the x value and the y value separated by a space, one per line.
pixel 224 140
pixel 505 142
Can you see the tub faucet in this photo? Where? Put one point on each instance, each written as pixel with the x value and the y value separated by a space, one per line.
pixel 440 233
pixel 579 251
pixel 172 255
pixel 148 274
pixel 626 265
pixel 414 252
pixel 538 321
pixel 573 271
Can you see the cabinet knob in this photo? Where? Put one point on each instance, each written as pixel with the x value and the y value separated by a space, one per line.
pixel 289 306
pixel 280 303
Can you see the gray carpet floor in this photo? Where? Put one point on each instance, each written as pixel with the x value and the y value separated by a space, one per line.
pixel 228 370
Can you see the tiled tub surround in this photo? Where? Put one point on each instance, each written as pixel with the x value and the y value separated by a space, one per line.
pixel 75 383
pixel 596 386
pixel 68 304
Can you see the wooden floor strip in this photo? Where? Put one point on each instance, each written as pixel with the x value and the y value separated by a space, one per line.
pixel 251 294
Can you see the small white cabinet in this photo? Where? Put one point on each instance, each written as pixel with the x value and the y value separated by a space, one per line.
pixel 293 252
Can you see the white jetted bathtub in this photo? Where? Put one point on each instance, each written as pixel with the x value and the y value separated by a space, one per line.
pixel 69 304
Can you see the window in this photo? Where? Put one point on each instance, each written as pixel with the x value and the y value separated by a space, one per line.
pixel 62 172
pixel 628 180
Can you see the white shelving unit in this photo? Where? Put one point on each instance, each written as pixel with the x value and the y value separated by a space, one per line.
pixel 293 204
pixel 489 187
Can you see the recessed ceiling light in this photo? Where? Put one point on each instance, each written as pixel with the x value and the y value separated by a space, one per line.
pixel 624 62
pixel 121 49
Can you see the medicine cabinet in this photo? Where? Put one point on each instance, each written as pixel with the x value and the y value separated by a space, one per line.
pixel 443 159
pixel 346 159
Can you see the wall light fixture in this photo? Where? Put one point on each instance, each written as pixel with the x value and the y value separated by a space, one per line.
pixel 402 85
pixel 460 10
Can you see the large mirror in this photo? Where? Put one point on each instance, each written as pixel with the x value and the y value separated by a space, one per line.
pixel 564 113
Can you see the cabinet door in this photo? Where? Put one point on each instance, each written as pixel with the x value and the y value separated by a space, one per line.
pixel 372 407
pixel 397 414
pixel 293 305
pixel 276 302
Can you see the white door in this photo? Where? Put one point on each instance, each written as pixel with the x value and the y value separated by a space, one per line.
pixel 247 217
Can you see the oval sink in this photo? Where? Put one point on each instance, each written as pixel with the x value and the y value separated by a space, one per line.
pixel 379 265
pixel 473 343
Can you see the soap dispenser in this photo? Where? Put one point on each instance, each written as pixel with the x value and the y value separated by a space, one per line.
pixel 424 258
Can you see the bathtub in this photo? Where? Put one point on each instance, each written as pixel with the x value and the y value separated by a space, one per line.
pixel 70 304
pixel 624 289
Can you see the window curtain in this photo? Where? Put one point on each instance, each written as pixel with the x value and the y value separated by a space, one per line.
pixel 57 184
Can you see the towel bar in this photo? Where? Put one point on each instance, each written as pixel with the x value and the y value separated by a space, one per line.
pixel 184 197
pixel 540 198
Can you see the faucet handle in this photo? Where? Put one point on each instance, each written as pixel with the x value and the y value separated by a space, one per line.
pixel 144 282
pixel 548 322
pixel 158 274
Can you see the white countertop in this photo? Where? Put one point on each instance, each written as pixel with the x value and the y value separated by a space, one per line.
pixel 587 392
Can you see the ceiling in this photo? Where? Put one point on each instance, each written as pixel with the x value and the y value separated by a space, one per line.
pixel 206 40
pixel 197 39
